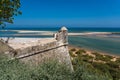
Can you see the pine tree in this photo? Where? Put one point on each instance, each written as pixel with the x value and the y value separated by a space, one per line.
pixel 8 9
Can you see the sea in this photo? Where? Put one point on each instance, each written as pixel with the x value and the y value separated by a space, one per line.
pixel 106 43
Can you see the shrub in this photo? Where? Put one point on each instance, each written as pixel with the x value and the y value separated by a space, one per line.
pixel 71 54
pixel 78 52
pixel 85 71
pixel 102 67
pixel 115 73
pixel 73 49
pixel 113 64
pixel 87 58
pixel 108 56
pixel 83 51
pixel 105 58
pixel 96 54
pixel 52 70
pixel 15 70
pixel 118 60
pixel 111 68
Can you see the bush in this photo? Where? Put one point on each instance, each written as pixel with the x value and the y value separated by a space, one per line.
pixel 113 64
pixel 15 70
pixel 85 71
pixel 96 54
pixel 108 56
pixel 101 57
pixel 115 73
pixel 52 70
pixel 83 51
pixel 71 54
pixel 80 51
pixel 102 67
pixel 111 68
pixel 87 58
pixel 118 60
pixel 73 49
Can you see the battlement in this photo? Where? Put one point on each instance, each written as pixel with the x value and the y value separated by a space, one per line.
pixel 36 50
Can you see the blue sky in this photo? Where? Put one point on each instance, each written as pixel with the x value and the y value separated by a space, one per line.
pixel 82 13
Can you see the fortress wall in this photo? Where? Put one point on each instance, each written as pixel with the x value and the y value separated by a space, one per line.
pixel 4 47
pixel 47 52
pixel 35 51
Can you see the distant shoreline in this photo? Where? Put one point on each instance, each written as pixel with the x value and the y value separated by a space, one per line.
pixel 93 34
pixel 50 33
pixel 89 51
pixel 47 32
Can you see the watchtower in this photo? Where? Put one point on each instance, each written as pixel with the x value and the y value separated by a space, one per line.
pixel 62 35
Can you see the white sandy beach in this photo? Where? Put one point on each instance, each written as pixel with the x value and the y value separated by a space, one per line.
pixel 37 33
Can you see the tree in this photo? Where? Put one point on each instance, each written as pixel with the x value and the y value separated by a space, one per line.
pixel 8 9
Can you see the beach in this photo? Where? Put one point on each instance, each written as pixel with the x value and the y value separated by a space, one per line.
pixel 89 52
pixel 105 40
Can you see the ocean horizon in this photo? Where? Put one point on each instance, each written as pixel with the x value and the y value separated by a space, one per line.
pixel 107 44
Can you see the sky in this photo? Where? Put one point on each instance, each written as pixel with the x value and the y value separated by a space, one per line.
pixel 74 13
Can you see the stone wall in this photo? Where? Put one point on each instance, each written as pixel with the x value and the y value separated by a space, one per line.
pixel 36 51
pixel 4 47
pixel 46 52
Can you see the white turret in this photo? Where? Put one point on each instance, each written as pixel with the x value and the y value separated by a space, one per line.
pixel 62 35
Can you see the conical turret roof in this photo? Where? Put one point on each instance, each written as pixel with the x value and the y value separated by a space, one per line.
pixel 63 28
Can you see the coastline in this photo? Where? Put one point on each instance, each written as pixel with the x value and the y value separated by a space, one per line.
pixel 89 51
pixel 32 32
pixel 40 34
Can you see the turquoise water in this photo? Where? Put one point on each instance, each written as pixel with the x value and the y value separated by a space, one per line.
pixel 108 44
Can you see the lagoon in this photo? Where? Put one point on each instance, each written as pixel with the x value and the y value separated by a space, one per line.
pixel 109 43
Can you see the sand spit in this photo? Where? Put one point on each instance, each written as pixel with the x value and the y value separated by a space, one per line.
pixel 90 33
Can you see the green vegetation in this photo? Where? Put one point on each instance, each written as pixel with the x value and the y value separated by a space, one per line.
pixel 87 58
pixel 15 70
pixel 98 65
pixel 118 60
pixel 8 9
pixel 73 49
pixel 51 70
pixel 71 54
pixel 84 71
pixel 80 51
pixel 110 68
pixel 86 67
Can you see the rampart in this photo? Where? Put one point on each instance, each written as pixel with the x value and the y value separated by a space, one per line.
pixel 36 50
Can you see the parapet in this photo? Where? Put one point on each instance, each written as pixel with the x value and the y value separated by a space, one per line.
pixel 36 50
